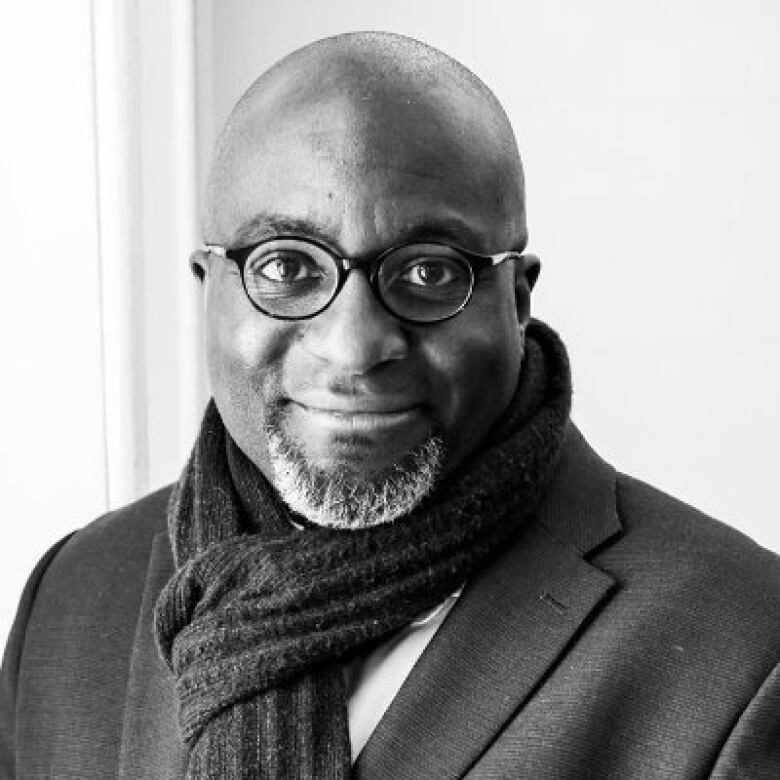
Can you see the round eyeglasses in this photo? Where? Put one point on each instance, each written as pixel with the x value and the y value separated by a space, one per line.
pixel 292 278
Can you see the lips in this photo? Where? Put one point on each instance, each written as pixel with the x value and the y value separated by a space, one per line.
pixel 365 416
pixel 354 401
pixel 355 405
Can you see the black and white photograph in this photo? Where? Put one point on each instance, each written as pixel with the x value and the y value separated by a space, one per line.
pixel 391 391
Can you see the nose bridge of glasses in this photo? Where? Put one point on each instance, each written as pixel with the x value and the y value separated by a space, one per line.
pixel 356 286
pixel 368 264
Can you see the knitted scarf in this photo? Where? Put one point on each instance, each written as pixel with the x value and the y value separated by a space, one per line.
pixel 259 617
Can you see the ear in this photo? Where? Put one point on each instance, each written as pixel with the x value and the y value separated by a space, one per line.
pixel 527 269
pixel 200 263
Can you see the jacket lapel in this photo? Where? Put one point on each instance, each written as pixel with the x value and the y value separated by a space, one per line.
pixel 508 629
pixel 151 744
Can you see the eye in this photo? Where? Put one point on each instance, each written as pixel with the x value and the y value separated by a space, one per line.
pixel 432 272
pixel 286 267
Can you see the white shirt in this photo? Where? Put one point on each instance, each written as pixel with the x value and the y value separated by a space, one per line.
pixel 372 681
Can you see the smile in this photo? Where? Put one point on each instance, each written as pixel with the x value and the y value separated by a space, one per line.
pixel 359 420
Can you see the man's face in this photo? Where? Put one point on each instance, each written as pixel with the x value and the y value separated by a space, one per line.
pixel 353 390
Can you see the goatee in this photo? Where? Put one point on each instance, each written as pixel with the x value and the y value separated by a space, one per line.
pixel 343 498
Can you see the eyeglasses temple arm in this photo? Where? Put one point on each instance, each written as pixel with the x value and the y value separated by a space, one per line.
pixel 501 256
pixel 220 251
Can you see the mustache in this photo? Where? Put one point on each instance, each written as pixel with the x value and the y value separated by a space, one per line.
pixel 355 386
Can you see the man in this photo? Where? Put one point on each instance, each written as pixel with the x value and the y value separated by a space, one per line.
pixel 391 554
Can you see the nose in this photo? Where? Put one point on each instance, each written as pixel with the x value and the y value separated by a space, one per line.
pixel 355 333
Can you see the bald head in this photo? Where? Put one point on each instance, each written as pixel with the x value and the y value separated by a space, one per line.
pixel 366 102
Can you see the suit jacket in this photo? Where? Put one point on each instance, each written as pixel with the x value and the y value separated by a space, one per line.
pixel 621 635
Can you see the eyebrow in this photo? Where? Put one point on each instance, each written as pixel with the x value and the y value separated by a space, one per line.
pixel 268 225
pixel 448 229
pixel 265 225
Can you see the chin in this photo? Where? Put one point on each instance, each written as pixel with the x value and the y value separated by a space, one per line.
pixel 355 457
pixel 339 491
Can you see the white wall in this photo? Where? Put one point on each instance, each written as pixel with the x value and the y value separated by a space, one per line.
pixel 649 133
pixel 52 455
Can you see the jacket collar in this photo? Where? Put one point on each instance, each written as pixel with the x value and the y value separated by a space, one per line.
pixel 580 508
pixel 506 632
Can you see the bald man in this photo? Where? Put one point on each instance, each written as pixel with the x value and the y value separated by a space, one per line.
pixel 391 554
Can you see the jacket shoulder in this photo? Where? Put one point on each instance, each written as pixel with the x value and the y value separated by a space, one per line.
pixel 104 559
pixel 697 553
pixel 646 509
pixel 130 527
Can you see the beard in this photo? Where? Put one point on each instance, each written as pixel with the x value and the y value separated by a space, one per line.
pixel 343 498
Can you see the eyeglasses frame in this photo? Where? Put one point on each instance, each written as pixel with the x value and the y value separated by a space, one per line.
pixel 477 262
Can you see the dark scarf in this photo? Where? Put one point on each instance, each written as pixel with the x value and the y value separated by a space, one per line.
pixel 259 617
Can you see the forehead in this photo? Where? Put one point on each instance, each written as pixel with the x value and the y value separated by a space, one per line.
pixel 384 167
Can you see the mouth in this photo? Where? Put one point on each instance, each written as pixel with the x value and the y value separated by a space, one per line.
pixel 365 433
pixel 360 418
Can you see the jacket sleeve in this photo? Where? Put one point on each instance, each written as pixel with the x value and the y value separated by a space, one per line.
pixel 752 751
pixel 9 672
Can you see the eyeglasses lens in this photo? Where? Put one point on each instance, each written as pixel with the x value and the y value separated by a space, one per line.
pixel 289 278
pixel 425 282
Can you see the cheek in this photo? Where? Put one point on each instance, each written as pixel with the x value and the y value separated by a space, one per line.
pixel 476 360
pixel 244 351
pixel 479 368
